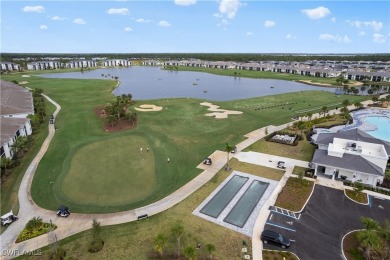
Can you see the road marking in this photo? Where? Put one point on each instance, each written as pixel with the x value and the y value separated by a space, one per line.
pixel 292 240
pixel 270 217
pixel 272 224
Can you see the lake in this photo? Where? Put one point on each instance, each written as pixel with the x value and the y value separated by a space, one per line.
pixel 155 83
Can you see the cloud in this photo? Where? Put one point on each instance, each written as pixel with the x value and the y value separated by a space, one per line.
pixel 249 33
pixel 333 19
pixel 34 9
pixel 316 13
pixel 164 24
pixel 185 2
pixel 57 18
pixel 128 29
pixel 376 26
pixel 218 15
pixel 289 36
pixel 268 24
pixel 229 7
pixel 43 27
pixel 121 11
pixel 79 21
pixel 378 38
pixel 142 20
pixel 335 38
pixel 362 33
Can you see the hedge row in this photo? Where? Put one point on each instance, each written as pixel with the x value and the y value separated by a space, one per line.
pixel 366 187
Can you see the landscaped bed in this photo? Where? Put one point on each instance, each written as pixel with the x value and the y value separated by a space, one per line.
pixel 278 255
pixel 257 170
pixel 294 194
pixel 357 196
pixel 35 227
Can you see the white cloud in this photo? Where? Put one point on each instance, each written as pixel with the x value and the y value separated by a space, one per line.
pixel 128 29
pixel 316 13
pixel 164 24
pixel 376 26
pixel 57 18
pixel 79 21
pixel 218 15
pixel 268 24
pixel 362 33
pixel 43 27
pixel 335 38
pixel 121 11
pixel 289 36
pixel 378 38
pixel 185 2
pixel 249 33
pixel 229 7
pixel 34 9
pixel 333 19
pixel 142 20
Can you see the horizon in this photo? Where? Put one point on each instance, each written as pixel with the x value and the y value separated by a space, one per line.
pixel 193 26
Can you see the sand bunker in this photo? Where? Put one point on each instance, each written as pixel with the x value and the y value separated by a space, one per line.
pixel 26 76
pixel 148 108
pixel 219 113
pixel 23 82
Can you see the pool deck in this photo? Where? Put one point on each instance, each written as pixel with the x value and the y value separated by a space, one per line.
pixel 247 229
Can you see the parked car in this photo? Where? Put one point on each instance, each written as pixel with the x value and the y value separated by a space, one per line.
pixel 63 212
pixel 274 238
pixel 281 165
pixel 8 218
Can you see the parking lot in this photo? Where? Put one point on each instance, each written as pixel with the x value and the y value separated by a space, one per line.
pixel 329 215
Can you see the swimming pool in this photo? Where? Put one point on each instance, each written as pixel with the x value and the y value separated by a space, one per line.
pixel 244 207
pixel 382 124
pixel 218 203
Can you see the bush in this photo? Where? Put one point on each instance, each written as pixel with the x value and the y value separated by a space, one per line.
pixel 58 254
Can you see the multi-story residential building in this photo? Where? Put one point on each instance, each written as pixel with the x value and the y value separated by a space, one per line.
pixel 81 64
pixel 43 65
pixel 117 63
pixel 9 66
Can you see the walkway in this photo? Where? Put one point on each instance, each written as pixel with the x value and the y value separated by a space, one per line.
pixel 76 223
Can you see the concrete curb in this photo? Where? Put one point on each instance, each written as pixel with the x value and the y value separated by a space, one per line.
pixel 342 241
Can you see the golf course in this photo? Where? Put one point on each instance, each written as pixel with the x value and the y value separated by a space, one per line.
pixel 91 170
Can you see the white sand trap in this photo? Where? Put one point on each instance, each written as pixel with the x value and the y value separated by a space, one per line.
pixel 23 82
pixel 26 76
pixel 219 113
pixel 148 108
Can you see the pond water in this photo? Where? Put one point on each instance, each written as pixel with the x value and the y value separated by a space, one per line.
pixel 154 83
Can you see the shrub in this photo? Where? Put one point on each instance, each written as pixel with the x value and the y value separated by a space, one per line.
pixel 95 245
pixel 58 254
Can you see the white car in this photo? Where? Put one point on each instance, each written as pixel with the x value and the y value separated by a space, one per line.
pixel 8 218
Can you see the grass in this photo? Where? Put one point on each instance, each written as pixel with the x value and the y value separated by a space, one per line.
pixel 303 151
pixel 278 255
pixel 350 247
pixel 299 170
pixel 134 240
pixel 357 196
pixel 257 170
pixel 262 75
pixel 294 194
pixel 180 132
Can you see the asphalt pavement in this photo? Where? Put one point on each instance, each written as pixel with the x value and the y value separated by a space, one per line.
pixel 328 216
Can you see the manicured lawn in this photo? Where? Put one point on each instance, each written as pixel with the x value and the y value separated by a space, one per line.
pixel 257 170
pixel 180 132
pixel 261 74
pixel 357 196
pixel 294 194
pixel 135 240
pixel 303 151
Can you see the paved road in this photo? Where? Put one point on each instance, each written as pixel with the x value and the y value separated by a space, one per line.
pixel 328 216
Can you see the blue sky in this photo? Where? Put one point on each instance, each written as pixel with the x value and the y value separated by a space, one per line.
pixel 180 26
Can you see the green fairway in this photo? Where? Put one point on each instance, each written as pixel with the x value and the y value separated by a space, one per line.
pixel 87 168
pixel 124 176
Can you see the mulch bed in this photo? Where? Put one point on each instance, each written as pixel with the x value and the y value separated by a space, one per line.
pixel 122 125
pixel 350 246
pixel 294 194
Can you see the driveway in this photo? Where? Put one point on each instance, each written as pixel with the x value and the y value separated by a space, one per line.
pixel 328 216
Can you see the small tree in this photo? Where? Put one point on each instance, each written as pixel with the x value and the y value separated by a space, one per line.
pixel 190 252
pixel 210 249
pixel 358 186
pixel 159 243
pixel 228 150
pixel 178 231
pixel 97 242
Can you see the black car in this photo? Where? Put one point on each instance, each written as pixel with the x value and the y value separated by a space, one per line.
pixel 274 238
pixel 63 212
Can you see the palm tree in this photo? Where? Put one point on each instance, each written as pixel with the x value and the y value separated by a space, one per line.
pixel 345 111
pixel 210 248
pixel 362 89
pixel 6 163
pixel 178 231
pixel 309 115
pixel 369 239
pixel 345 103
pixel 324 110
pixel 159 243
pixel 228 150
pixel 19 145
pixel 358 104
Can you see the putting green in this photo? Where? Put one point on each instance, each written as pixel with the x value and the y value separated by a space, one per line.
pixel 94 177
